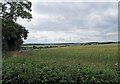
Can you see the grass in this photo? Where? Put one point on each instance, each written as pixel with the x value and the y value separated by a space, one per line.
pixel 93 58
pixel 86 55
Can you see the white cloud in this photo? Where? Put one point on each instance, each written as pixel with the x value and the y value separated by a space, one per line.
pixel 112 34
pixel 72 22
pixel 75 0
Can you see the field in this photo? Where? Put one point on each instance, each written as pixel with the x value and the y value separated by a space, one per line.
pixel 80 63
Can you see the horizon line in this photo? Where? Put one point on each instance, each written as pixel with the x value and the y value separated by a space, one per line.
pixel 71 42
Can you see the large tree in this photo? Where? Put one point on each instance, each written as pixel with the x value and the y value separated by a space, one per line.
pixel 12 32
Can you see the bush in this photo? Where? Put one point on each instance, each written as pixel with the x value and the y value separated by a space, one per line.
pixel 27 72
pixel 34 47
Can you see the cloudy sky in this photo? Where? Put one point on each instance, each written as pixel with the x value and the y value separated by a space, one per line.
pixel 55 22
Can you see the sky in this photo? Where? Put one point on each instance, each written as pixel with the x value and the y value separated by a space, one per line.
pixel 72 22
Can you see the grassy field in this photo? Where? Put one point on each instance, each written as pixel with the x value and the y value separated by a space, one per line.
pixel 91 58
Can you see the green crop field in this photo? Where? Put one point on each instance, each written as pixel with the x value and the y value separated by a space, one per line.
pixel 85 63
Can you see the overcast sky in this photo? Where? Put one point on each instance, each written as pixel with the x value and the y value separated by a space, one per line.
pixel 55 22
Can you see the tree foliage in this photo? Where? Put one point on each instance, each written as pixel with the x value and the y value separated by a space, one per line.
pixel 12 32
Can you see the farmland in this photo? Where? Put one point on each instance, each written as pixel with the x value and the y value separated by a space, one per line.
pixel 76 63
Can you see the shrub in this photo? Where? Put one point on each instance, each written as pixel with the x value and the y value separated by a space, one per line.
pixel 34 47
pixel 27 72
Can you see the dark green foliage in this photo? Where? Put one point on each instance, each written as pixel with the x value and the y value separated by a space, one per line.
pixel 14 33
pixel 12 36
pixel 28 72
pixel 34 47
pixel 13 10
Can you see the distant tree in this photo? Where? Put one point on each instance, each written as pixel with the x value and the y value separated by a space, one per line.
pixel 34 47
pixel 12 32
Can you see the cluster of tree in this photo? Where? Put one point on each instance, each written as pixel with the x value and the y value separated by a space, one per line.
pixel 94 43
pixel 12 32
